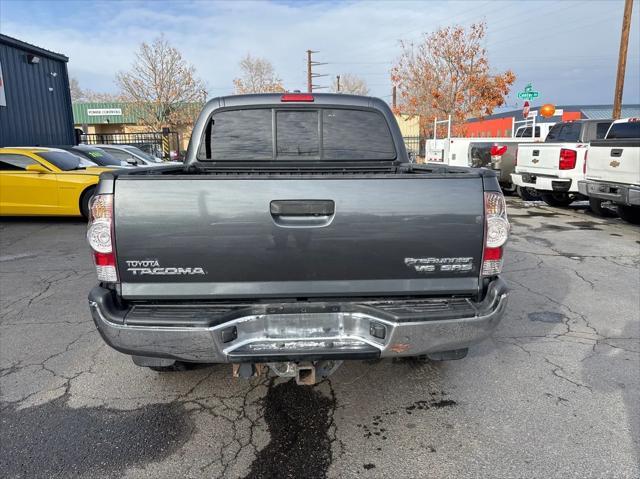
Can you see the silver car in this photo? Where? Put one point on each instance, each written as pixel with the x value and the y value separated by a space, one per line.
pixel 133 156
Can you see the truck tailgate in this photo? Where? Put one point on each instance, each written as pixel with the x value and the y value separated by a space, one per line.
pixel 539 157
pixel 617 161
pixel 223 237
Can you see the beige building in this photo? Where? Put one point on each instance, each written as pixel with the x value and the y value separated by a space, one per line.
pixel 409 125
pixel 113 118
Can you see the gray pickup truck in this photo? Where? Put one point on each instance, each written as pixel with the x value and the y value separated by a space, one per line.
pixel 296 235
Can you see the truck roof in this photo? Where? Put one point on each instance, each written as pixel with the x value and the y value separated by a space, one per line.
pixel 627 120
pixel 259 99
pixel 584 120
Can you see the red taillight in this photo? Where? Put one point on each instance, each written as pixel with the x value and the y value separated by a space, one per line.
pixel 296 97
pixel 103 259
pixel 100 237
pixel 584 165
pixel 497 150
pixel 496 233
pixel 567 159
pixel 492 254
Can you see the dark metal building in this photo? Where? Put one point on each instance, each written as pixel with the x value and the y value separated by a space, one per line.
pixel 35 101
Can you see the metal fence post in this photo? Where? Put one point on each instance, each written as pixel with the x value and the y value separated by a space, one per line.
pixel 166 151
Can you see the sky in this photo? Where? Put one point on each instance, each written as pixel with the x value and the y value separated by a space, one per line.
pixel 567 49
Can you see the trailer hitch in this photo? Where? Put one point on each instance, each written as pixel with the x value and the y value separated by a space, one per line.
pixel 306 373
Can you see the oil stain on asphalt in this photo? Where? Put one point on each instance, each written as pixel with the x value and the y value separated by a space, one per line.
pixel 299 419
pixel 585 225
pixel 375 429
pixel 56 440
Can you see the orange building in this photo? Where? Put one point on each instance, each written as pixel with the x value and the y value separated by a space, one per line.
pixel 501 124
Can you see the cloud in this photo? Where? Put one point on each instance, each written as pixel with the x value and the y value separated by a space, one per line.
pixel 543 42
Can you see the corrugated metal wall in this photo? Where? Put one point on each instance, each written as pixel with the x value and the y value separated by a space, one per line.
pixel 38 111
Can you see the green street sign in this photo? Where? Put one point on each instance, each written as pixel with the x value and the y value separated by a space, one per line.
pixel 529 93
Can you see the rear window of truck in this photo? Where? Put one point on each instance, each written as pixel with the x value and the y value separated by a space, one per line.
pixel 266 134
pixel 564 133
pixel 624 130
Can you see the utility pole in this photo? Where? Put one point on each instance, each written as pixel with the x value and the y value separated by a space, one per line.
pixel 393 97
pixel 622 59
pixel 338 83
pixel 310 74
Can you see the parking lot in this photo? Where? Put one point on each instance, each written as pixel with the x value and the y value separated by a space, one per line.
pixel 553 394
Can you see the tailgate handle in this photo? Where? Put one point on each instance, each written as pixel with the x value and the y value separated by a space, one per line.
pixel 302 207
pixel 536 152
pixel 616 152
pixel 302 213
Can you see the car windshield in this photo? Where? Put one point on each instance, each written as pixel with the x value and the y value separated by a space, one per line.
pixel 139 152
pixel 98 156
pixel 64 160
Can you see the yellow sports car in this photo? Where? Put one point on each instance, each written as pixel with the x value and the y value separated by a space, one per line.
pixel 46 181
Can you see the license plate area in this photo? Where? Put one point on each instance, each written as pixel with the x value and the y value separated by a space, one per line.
pixel 299 331
pixel 528 178
pixel 611 190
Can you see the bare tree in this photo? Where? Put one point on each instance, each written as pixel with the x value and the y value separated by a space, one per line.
pixel 161 87
pixel 258 76
pixel 351 84
pixel 79 94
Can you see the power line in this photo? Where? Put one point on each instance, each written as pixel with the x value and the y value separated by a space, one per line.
pixel 384 40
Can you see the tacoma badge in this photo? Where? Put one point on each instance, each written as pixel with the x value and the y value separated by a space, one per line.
pixel 152 267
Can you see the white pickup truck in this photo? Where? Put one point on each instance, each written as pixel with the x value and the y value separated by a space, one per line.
pixel 553 168
pixel 612 170
pixel 463 151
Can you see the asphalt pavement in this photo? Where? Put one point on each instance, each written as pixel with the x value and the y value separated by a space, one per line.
pixel 554 393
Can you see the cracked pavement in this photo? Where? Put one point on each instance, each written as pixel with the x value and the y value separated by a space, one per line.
pixel 554 393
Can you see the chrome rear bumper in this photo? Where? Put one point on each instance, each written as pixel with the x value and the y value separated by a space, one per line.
pixel 337 330
pixel 615 192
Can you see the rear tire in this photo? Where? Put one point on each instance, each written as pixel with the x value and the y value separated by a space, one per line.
pixel 85 200
pixel 596 207
pixel 630 214
pixel 508 189
pixel 557 199
pixel 527 194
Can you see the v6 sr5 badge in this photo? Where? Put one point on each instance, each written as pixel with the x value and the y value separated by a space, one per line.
pixel 431 265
